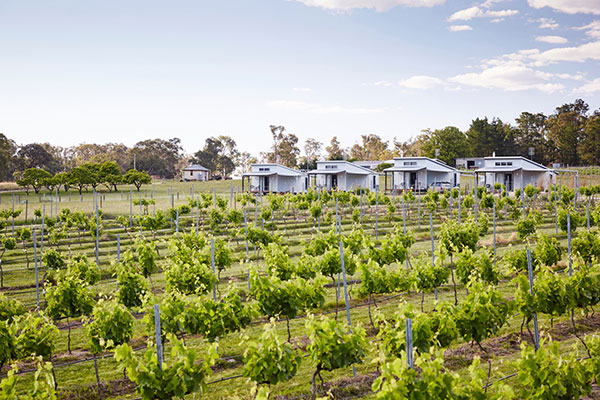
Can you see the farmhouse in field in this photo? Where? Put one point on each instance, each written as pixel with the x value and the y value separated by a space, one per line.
pixel 419 173
pixel 274 178
pixel 195 172
pixel 343 175
pixel 514 172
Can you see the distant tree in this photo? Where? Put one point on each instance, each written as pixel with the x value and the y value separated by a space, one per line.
pixel 7 150
pixel 312 151
pixel 218 155
pixel 590 145
pixel 450 142
pixel 63 180
pixel 245 160
pixel 93 173
pixel 371 148
pixel 532 131
pixel 334 151
pixel 36 155
pixel 486 138
pixel 566 128
pixel 34 177
pixel 110 175
pixel 100 153
pixel 137 178
pixel 81 177
pixel 409 148
pixel 284 150
pixel 157 156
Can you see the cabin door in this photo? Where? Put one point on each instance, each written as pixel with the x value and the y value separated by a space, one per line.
pixel 508 182
pixel 413 180
pixel 334 181
pixel 265 184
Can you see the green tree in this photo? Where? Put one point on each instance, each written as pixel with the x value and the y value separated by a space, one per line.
pixel 137 178
pixel 451 143
pixel 334 151
pixel 566 127
pixel 110 175
pixel 34 177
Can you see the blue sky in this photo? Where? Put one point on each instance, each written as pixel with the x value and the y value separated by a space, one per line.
pixel 122 71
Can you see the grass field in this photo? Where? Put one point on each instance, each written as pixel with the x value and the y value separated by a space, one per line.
pixel 75 372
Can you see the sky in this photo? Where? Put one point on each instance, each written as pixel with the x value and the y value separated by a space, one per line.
pixel 77 71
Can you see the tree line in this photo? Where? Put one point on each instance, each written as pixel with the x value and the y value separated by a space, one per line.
pixel 570 135
pixel 82 177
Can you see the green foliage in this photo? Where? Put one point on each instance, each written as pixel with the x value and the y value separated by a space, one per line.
pixel 260 237
pixel 195 277
pixel 479 267
pixel 516 260
pixel 42 387
pixel 431 380
pixel 213 319
pixel 53 259
pixel 332 347
pixel 10 308
pixel 80 268
pixel 548 374
pixel 426 275
pixel 377 279
pixel 182 373
pixel 112 325
pixel 278 261
pixel 482 313
pixel 548 250
pixel 277 298
pixel 36 335
pixel 430 330
pixel 526 226
pixel 562 220
pixel 137 178
pixel 7 343
pixel 455 237
pixel 132 286
pixel 269 360
pixel 587 246
pixel 69 298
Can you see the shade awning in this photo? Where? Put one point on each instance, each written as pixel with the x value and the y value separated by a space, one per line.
pixel 498 169
pixel 262 173
pixel 404 169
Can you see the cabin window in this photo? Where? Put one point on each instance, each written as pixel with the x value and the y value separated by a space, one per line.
pixel 331 167
pixel 503 163
pixel 264 169
pixel 410 163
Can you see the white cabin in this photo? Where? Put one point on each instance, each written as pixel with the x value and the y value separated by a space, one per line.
pixel 195 172
pixel 419 173
pixel 275 178
pixel 514 172
pixel 343 175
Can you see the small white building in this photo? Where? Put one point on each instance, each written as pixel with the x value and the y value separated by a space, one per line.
pixel 274 178
pixel 514 172
pixel 195 172
pixel 419 173
pixel 343 175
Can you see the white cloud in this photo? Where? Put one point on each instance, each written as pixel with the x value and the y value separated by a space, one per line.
pixel 421 82
pixel 584 52
pixel 315 108
pixel 551 39
pixel 478 12
pixel 510 78
pixel 592 29
pixel 460 28
pixel 496 20
pixel 302 89
pixel 377 5
pixel 568 6
pixel 537 58
pixel 546 23
pixel 589 87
